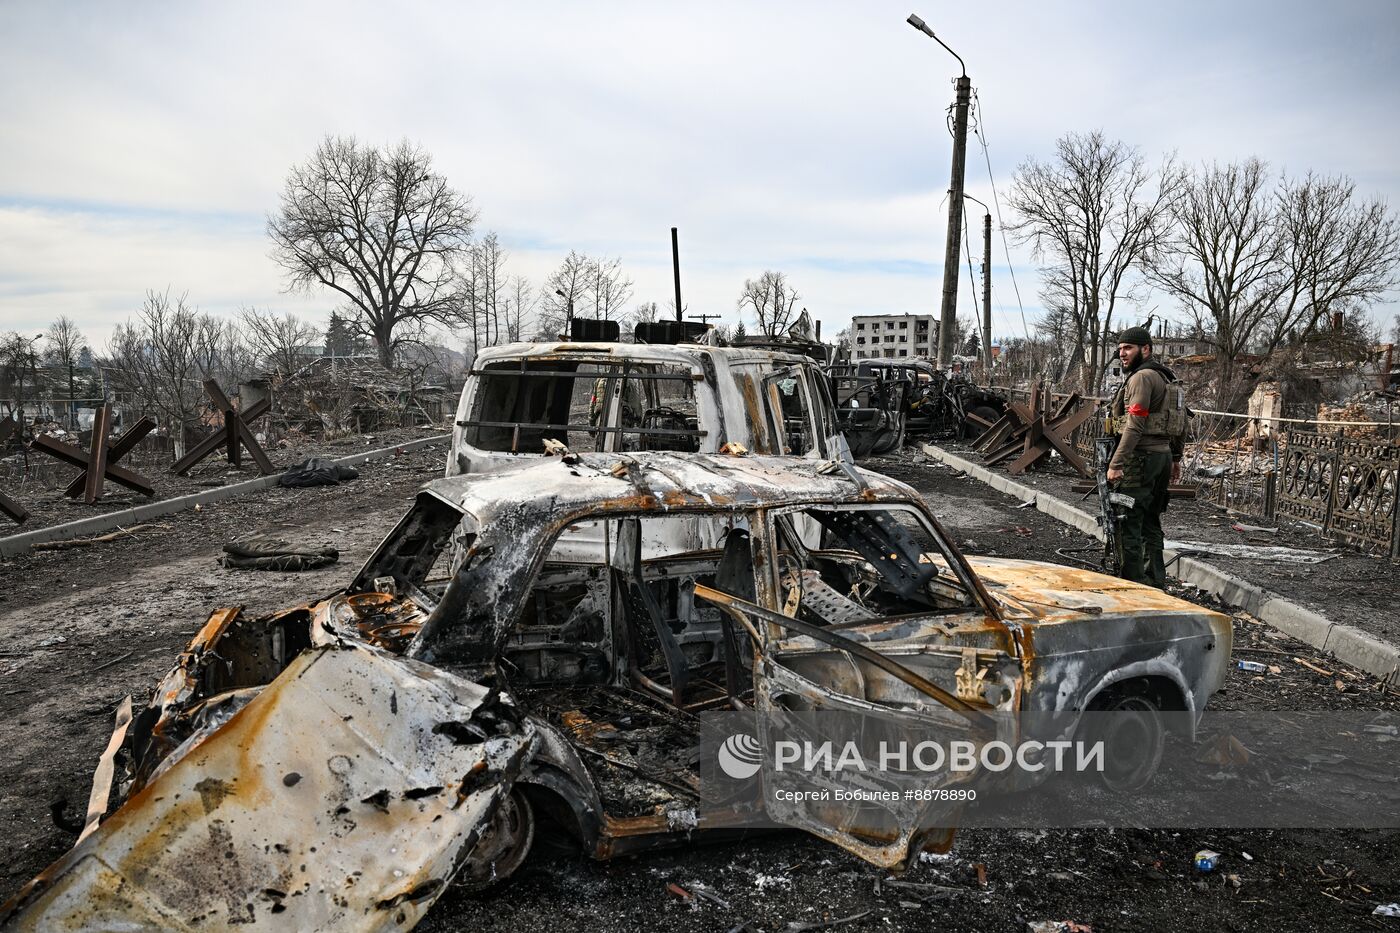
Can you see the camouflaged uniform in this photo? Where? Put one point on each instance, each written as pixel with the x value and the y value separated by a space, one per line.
pixel 1149 416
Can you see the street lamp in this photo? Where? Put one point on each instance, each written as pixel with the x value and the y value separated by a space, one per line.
pixel 947 319
pixel 569 304
pixel 923 28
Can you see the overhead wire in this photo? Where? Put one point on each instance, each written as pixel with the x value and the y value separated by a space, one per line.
pixel 981 134
pixel 977 315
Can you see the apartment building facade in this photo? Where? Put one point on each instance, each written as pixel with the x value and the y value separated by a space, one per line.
pixel 893 335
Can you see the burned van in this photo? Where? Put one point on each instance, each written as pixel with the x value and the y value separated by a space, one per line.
pixel 522 399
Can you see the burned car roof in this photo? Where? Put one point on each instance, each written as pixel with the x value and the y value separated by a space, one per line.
pixel 624 482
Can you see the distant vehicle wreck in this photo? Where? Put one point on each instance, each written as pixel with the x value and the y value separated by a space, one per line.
pixel 338 764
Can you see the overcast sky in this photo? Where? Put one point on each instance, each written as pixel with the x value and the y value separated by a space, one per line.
pixel 145 143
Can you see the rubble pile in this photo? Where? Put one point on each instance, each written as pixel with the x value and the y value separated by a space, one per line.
pixel 1371 405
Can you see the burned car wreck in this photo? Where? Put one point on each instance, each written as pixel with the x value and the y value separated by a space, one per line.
pixel 483 680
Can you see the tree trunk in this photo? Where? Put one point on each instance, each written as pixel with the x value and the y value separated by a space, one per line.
pixel 384 344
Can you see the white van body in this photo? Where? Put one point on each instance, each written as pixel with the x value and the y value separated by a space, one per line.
pixel 629 397
pixel 626 397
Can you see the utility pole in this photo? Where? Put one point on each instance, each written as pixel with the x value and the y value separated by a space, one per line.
pixel 987 292
pixel 948 319
pixel 676 268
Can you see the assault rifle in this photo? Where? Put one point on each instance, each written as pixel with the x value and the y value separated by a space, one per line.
pixel 1112 505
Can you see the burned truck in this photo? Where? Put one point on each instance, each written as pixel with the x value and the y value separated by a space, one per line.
pixel 476 686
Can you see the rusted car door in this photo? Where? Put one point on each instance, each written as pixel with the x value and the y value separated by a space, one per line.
pixel 879 677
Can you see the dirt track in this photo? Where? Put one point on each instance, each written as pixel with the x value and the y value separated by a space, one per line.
pixel 124 609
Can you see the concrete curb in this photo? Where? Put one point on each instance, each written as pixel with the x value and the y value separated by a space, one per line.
pixel 97 524
pixel 1345 642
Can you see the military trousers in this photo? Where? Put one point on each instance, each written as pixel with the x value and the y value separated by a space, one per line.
pixel 1147 478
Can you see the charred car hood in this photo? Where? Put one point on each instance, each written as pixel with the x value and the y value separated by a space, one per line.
pixel 345 796
pixel 1050 593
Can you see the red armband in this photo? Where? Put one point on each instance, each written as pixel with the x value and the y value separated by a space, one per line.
pixel 1138 410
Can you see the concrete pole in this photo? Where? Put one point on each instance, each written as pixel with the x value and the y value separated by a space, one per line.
pixel 987 292
pixel 676 269
pixel 947 324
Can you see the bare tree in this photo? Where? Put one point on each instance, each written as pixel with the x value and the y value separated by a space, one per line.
pixel 1341 254
pixel 153 358
pixel 279 341
pixel 378 227
pixel 65 345
pixel 771 298
pixel 223 352
pixel 608 287
pixel 19 370
pixel 484 291
pixel 1096 212
pixel 1226 264
pixel 520 303
pixel 645 313
pixel 564 289
pixel 1252 263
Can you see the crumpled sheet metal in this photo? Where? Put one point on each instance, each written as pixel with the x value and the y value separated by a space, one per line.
pixel 333 801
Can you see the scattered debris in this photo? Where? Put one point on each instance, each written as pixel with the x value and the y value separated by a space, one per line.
pixel 106 664
pixel 1057 926
pixel 1253 529
pixel 1252 552
pixel 68 543
pixel 1206 860
pixel 798 927
pixel 264 552
pixel 1313 667
pixel 1386 910
pixel 317 471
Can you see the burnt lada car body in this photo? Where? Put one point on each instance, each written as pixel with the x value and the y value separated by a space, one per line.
pixel 337 764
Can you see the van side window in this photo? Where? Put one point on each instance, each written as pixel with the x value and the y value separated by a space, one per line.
pixel 587 406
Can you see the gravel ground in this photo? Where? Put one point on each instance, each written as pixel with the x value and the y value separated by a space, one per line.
pixel 124 609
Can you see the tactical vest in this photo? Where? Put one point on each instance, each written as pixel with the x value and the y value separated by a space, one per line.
pixel 1170 422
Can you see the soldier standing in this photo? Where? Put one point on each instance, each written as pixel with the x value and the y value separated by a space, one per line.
pixel 1148 415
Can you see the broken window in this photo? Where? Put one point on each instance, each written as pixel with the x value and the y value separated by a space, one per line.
pixel 631 616
pixel 790 406
pixel 585 405
pixel 866 564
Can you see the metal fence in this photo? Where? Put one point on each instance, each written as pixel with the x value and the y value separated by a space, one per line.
pixel 1346 486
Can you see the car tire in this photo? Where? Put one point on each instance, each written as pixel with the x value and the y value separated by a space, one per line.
pixel 1133 736
pixel 503 847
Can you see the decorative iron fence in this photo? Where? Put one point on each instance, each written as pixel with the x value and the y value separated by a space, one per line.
pixel 1344 485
